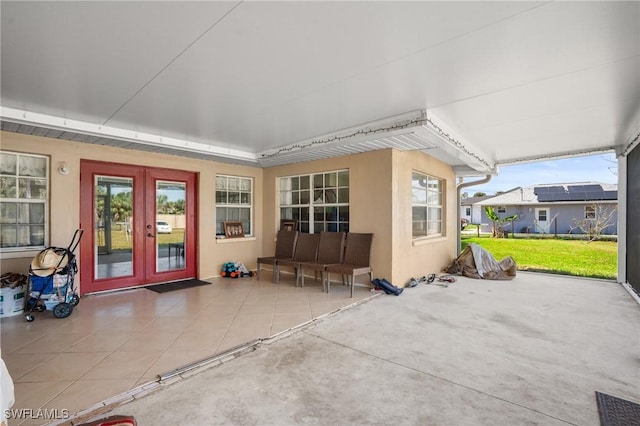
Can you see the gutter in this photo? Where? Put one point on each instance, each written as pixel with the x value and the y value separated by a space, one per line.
pixel 459 188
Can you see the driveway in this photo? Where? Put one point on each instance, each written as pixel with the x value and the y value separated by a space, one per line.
pixel 529 351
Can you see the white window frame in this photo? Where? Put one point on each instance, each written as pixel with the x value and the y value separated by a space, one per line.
pixel 315 197
pixel 590 212
pixel 24 201
pixel 501 209
pixel 427 206
pixel 243 203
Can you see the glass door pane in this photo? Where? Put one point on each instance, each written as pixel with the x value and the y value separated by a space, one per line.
pixel 113 229
pixel 170 225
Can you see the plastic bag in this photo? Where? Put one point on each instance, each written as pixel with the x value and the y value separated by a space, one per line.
pixel 7 396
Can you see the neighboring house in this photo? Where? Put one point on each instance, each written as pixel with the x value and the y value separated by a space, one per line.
pixel 554 208
pixel 471 210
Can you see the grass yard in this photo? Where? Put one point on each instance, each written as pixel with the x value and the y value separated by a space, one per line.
pixel 597 259
pixel 121 241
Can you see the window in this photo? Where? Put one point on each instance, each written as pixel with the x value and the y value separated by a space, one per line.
pixel 234 202
pixel 467 211
pixel 24 195
pixel 589 212
pixel 318 202
pixel 501 209
pixel 427 205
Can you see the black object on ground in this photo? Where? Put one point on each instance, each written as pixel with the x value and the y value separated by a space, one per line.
pixel 616 411
pixel 176 285
pixel 387 286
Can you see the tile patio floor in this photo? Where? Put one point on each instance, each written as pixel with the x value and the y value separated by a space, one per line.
pixel 117 341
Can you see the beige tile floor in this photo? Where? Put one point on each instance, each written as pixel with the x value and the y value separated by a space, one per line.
pixel 115 342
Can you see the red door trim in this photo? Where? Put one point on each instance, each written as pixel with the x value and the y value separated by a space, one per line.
pixel 190 179
pixel 144 256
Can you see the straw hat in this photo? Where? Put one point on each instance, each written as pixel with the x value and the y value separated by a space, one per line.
pixel 48 262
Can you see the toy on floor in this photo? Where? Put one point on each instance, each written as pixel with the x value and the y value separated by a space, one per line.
pixel 235 270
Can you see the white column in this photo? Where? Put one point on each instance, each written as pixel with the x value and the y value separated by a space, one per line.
pixel 622 219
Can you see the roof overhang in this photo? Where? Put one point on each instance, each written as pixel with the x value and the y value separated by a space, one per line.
pixel 417 130
pixel 25 122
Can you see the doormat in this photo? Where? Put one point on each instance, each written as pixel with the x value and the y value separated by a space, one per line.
pixel 617 412
pixel 176 285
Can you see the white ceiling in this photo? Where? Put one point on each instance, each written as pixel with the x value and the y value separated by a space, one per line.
pixel 476 84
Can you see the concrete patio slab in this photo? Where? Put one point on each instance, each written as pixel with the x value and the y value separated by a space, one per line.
pixel 529 351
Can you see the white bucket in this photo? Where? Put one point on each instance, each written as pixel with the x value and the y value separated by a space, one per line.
pixel 11 301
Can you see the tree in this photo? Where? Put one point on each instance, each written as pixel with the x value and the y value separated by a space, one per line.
pixel 598 218
pixel 497 223
pixel 464 195
pixel 479 194
pixel 161 203
pixel 164 206
pixel 545 227
pixel 121 206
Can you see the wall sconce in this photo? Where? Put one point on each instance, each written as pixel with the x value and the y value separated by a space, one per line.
pixel 63 168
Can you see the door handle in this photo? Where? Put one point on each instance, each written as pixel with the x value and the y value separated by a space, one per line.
pixel 150 235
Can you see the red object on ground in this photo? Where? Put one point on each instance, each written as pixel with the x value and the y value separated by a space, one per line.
pixel 113 421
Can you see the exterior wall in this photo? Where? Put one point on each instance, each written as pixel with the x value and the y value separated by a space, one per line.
pixel 463 213
pixel 522 222
pixel 633 218
pixel 562 224
pixel 380 203
pixel 370 200
pixel 476 214
pixel 65 198
pixel 569 212
pixel 420 257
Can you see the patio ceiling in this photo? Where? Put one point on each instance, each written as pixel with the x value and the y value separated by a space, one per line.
pixel 475 84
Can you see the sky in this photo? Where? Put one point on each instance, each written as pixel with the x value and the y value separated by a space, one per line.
pixel 601 168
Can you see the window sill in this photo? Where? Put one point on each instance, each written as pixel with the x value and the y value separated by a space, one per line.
pixel 20 254
pixel 428 240
pixel 234 240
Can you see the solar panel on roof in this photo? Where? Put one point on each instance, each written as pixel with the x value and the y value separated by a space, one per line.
pixel 590 192
pixel 592 187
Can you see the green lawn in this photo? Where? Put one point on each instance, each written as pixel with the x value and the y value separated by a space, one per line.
pixel 597 259
pixel 120 240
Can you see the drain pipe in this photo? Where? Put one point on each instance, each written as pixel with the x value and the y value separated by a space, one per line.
pixel 486 179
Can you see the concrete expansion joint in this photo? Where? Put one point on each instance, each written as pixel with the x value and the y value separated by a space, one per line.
pixel 174 376
pixel 190 369
pixel 107 405
pixel 164 380
pixel 285 333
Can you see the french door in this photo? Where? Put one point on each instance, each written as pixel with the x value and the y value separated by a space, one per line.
pixel 142 222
